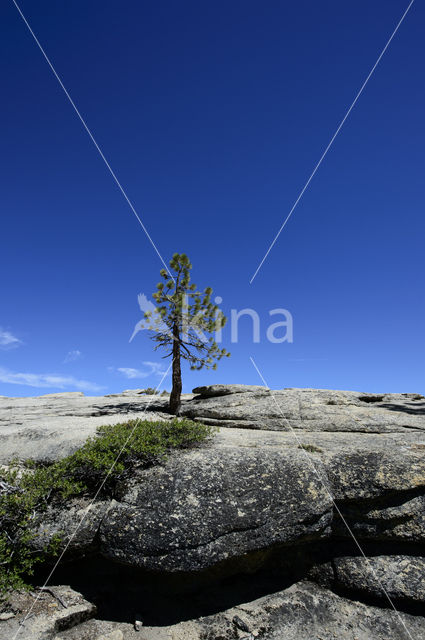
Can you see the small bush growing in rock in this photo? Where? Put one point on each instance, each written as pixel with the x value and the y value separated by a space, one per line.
pixel 148 444
pixel 150 391
pixel 311 448
pixel 25 491
pixel 23 494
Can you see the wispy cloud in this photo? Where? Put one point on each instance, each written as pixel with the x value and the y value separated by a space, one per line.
pixel 151 368
pixel 72 356
pixel 43 380
pixel 8 340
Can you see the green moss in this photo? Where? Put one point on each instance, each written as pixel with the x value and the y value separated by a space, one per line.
pixel 94 469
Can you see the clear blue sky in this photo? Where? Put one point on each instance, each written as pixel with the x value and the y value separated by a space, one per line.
pixel 213 116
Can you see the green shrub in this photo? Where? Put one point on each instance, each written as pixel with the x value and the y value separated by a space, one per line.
pixel 23 494
pixel 150 391
pixel 148 444
pixel 311 448
pixel 26 491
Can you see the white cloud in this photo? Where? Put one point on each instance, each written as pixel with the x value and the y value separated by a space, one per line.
pixel 47 380
pixel 72 356
pixel 132 373
pixel 156 368
pixel 153 368
pixel 8 340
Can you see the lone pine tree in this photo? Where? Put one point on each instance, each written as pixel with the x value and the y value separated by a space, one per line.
pixel 180 321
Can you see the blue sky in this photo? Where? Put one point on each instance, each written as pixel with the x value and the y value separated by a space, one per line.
pixel 213 116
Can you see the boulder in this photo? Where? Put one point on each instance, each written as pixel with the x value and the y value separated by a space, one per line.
pixel 305 612
pixel 42 616
pixel 401 577
pixel 218 390
pixel 310 410
pixel 212 505
pixel 252 490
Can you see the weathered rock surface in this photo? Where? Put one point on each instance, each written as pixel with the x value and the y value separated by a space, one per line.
pixel 304 611
pixel 212 505
pixel 41 616
pixel 217 390
pixel 402 577
pixel 290 471
pixel 310 410
pixel 249 490
pixel 53 426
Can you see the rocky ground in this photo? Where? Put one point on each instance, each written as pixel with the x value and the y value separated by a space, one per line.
pixel 260 533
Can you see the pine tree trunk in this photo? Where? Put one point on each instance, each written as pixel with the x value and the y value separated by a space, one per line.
pixel 176 390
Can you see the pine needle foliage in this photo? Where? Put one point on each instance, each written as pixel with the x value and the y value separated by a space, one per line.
pixel 185 323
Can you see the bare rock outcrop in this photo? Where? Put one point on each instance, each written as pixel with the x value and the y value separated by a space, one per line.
pixel 299 483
